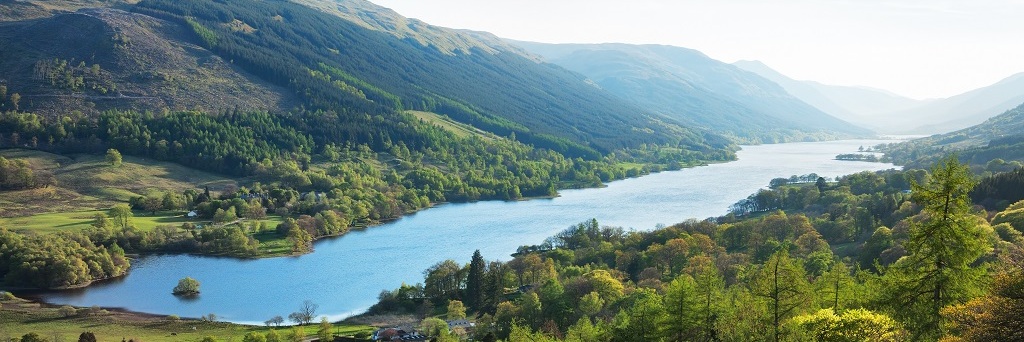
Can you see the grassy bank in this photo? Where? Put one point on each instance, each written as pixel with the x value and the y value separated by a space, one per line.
pixel 19 317
pixel 86 182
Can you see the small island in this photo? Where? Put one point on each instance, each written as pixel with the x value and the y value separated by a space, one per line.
pixel 187 287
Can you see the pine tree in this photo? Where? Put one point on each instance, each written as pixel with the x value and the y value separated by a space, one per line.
pixel 475 281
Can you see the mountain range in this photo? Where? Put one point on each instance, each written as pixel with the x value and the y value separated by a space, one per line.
pixel 686 85
pixel 889 113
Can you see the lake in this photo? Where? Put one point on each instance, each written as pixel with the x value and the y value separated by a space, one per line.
pixel 344 275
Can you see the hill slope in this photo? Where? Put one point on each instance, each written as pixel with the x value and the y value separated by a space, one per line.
pixel 502 92
pixel 686 85
pixel 102 58
pixel 350 57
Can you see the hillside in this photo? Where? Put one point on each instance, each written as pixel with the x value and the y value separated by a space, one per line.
pixel 101 58
pixel 379 73
pixel 350 56
pixel 894 114
pixel 1000 137
pixel 686 85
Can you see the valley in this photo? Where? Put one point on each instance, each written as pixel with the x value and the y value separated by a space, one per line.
pixel 393 178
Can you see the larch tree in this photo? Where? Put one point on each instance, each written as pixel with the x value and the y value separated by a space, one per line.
pixel 683 321
pixel 942 248
pixel 783 283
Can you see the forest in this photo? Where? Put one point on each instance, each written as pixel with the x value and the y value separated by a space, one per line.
pixel 874 256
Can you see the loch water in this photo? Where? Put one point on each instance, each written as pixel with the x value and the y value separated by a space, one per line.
pixel 344 275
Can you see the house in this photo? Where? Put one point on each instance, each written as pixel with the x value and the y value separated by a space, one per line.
pixel 192 214
pixel 465 324
pixel 398 334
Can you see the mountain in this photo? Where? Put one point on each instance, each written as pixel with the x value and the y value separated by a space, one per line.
pixel 859 105
pixel 349 57
pixel 1000 137
pixel 890 113
pixel 685 85
pixel 964 110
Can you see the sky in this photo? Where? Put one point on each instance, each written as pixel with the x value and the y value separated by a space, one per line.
pixel 916 48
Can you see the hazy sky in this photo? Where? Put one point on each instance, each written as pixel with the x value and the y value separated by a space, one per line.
pixel 916 48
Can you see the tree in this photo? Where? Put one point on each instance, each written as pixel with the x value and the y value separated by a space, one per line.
pixel 683 310
pixel 301 240
pixel 433 326
pixel 784 284
pixel 187 287
pixel 456 310
pixel 639 322
pixel 306 313
pixel 122 215
pixel 475 281
pixel 32 337
pixel 822 184
pixel 942 248
pixel 998 316
pixel 87 336
pixel 15 98
pixel 324 332
pixel 276 321
pixel 443 280
pixel 114 157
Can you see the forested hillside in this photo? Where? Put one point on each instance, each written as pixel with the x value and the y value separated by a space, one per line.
pixel 860 259
pixel 687 86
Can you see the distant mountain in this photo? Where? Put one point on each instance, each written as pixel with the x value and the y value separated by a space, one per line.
pixel 685 85
pixel 964 110
pixel 999 137
pixel 858 105
pixel 890 113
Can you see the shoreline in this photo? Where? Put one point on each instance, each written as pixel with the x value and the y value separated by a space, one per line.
pixel 35 294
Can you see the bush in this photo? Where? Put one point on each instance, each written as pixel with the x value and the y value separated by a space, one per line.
pixel 8 296
pixel 67 311
pixel 173 318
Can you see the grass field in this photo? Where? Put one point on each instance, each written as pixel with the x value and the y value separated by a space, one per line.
pixel 455 127
pixel 19 317
pixel 88 182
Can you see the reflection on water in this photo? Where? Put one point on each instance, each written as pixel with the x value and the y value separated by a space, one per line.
pixel 344 275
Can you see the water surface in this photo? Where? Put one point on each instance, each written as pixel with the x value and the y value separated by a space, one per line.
pixel 344 275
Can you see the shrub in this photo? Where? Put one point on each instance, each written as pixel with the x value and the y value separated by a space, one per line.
pixel 173 318
pixel 67 311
